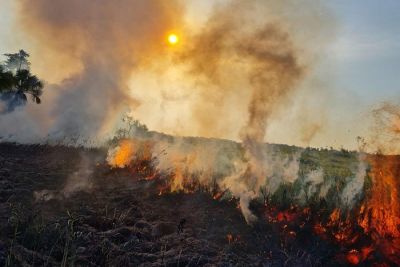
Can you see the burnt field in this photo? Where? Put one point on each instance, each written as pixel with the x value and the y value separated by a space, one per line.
pixel 64 206
pixel 123 221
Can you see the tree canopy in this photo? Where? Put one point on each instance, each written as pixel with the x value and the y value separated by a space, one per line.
pixel 16 82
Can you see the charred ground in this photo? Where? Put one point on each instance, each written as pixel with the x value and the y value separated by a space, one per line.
pixel 123 221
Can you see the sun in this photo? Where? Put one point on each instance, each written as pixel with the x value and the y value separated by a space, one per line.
pixel 173 39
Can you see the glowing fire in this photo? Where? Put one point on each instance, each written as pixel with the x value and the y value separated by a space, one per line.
pixel 177 181
pixel 229 237
pixel 381 212
pixel 134 154
pixel 380 215
pixel 182 172
pixel 355 256
pixel 122 155
pixel 232 238
pixel 372 228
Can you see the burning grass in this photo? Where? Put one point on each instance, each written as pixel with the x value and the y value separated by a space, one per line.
pixel 131 214
pixel 365 227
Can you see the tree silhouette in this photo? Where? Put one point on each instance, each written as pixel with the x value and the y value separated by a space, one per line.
pixel 17 61
pixel 6 79
pixel 16 82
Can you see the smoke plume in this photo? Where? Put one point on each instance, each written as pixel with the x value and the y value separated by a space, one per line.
pixel 244 63
pixel 265 53
pixel 102 42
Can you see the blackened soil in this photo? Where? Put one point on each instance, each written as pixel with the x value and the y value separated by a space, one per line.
pixel 62 206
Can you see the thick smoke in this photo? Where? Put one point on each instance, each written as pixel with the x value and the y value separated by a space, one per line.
pixel 274 75
pixel 9 102
pixel 101 43
pixel 249 53
pixel 249 49
pixel 269 63
pixel 104 41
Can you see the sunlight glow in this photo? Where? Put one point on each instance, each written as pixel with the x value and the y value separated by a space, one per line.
pixel 173 39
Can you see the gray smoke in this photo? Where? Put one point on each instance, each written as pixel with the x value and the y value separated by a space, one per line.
pixel 104 42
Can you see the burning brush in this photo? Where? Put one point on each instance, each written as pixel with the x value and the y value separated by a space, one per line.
pixel 359 213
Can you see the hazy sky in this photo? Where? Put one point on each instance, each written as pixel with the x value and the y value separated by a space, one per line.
pixel 362 64
pixel 366 54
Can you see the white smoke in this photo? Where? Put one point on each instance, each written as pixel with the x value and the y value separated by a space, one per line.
pixel 311 184
pixel 355 186
pixel 81 180
pixel 103 42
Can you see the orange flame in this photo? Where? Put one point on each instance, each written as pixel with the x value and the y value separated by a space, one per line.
pixel 381 212
pixel 229 237
pixel 182 165
pixel 380 215
pixel 354 256
pixel 218 195
pixel 122 155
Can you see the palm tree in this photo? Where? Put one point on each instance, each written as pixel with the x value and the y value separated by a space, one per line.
pixel 6 79
pixel 16 82
pixel 17 61
pixel 26 83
